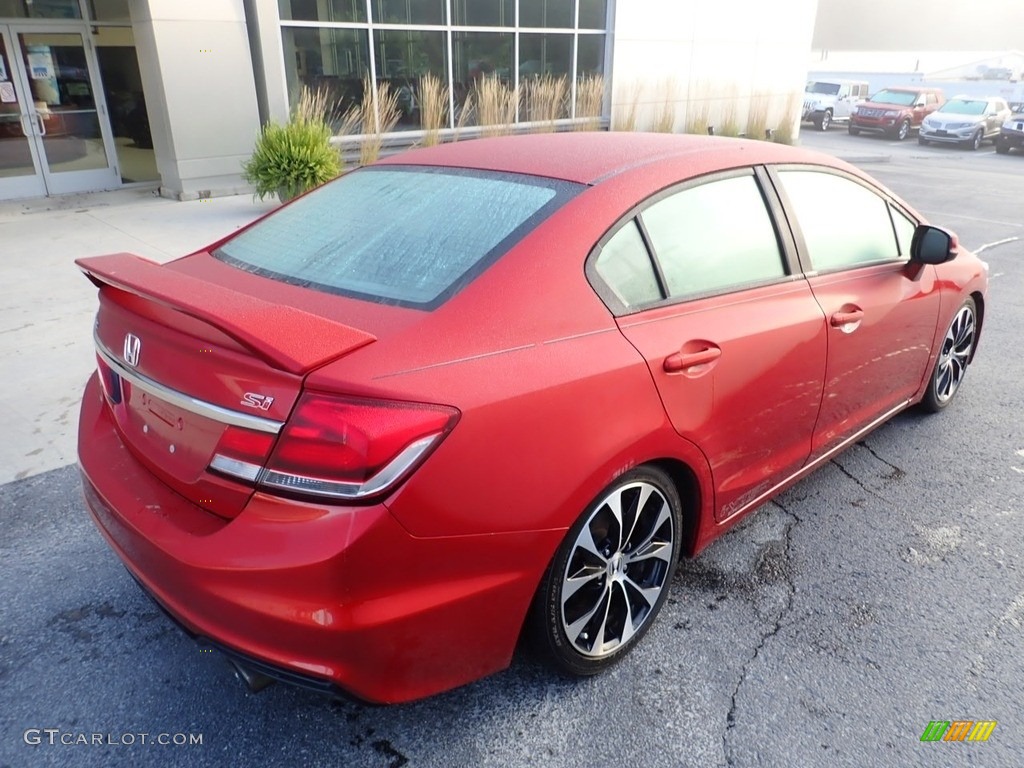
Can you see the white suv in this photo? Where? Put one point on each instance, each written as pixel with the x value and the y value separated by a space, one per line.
pixel 832 101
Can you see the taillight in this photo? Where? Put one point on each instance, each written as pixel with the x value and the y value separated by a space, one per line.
pixel 340 447
pixel 242 452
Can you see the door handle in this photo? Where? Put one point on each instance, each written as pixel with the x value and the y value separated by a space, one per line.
pixel 42 125
pixel 21 122
pixel 680 361
pixel 841 319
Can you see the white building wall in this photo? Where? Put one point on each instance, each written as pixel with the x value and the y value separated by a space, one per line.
pixel 688 63
pixel 200 93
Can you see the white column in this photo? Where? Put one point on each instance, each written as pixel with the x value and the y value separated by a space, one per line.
pixel 200 93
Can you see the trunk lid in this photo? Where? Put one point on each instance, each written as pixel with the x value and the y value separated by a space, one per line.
pixel 191 369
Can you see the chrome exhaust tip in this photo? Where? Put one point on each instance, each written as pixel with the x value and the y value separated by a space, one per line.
pixel 253 680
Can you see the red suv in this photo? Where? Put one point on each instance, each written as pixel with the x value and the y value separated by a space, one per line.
pixel 895 111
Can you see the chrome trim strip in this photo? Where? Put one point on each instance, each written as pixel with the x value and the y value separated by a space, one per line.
pixel 808 468
pixel 236 468
pixel 331 489
pixel 186 402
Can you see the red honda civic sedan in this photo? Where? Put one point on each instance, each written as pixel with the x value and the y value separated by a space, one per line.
pixel 500 387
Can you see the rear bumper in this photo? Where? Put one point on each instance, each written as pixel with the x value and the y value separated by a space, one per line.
pixel 342 596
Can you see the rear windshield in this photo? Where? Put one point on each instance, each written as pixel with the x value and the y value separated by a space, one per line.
pixel 411 236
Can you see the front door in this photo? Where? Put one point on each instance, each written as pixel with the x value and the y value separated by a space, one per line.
pixel 881 310
pixel 54 137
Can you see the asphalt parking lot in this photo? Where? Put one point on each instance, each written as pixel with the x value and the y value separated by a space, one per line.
pixel 881 593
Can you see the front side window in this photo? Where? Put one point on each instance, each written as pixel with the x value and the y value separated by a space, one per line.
pixel 406 236
pixel 905 228
pixel 714 237
pixel 844 224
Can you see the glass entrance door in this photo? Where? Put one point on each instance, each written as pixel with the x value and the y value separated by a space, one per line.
pixel 51 88
pixel 20 173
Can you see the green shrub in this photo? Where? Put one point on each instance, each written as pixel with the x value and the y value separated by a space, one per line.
pixel 292 158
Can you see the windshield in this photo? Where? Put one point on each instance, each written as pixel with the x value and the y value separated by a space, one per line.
pixel 828 88
pixel 411 236
pixel 901 98
pixel 964 107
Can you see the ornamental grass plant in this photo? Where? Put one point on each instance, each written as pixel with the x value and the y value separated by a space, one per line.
pixel 293 158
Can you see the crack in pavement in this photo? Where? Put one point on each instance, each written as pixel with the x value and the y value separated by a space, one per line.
pixel 856 479
pixel 897 472
pixel 774 629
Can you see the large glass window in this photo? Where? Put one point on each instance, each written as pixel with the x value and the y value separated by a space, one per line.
pixel 545 54
pixel 323 10
pixel 844 223
pixel 110 11
pixel 332 59
pixel 403 56
pixel 477 56
pixel 408 11
pixel 41 9
pixel 411 38
pixel 590 55
pixel 397 235
pixel 484 13
pixel 593 14
pixel 546 13
pixel 126 102
pixel 714 237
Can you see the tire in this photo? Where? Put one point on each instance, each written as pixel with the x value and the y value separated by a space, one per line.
pixel 824 121
pixel 922 141
pixel 853 131
pixel 583 624
pixel 954 356
pixel 975 141
pixel 903 131
pixel 1002 149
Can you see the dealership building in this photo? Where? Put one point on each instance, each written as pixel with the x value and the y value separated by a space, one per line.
pixel 100 94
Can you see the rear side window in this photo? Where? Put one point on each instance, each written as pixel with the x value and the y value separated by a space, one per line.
pixel 397 235
pixel 625 266
pixel 714 237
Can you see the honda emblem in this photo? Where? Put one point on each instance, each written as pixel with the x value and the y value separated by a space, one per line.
pixel 132 347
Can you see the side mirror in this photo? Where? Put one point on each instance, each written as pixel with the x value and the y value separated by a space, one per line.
pixel 932 245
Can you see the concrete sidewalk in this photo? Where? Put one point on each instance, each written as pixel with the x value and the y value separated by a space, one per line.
pixel 47 306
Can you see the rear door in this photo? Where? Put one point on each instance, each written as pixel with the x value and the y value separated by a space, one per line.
pixel 731 333
pixel 882 311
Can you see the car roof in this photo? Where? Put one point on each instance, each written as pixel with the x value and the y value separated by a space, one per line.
pixel 592 156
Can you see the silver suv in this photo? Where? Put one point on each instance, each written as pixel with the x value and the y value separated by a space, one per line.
pixel 965 120
pixel 832 101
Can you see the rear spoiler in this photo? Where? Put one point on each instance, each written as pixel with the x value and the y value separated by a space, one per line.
pixel 285 337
